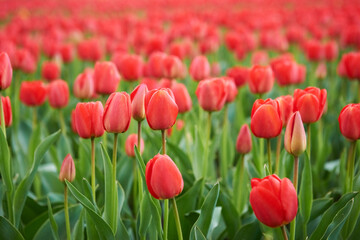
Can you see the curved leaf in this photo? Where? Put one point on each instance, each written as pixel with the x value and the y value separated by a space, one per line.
pixel 306 190
pixel 8 231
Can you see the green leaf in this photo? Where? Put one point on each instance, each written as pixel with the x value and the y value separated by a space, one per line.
pixel 198 235
pixel 330 215
pixel 227 151
pixel 320 206
pixel 335 227
pixel 353 217
pixel 102 227
pixel 78 232
pixel 141 164
pixel 306 191
pixel 150 215
pixel 54 227
pixel 229 213
pixel 24 186
pixel 5 164
pixel 121 232
pixel 88 193
pixel 207 210
pixel 110 205
pixel 8 231
pixel 35 139
pixel 145 219
pixel 249 231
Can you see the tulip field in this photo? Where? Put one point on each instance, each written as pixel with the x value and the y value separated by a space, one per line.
pixel 179 119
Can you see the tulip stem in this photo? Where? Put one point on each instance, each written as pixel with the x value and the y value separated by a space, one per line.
pixel 278 150
pixel 114 197
pixel 177 219
pixel 163 137
pixel 93 167
pixel 269 154
pixel 166 219
pixel 295 182
pixel 206 146
pixel 350 167
pixel 34 118
pixel 283 230
pixel 139 136
pixel 137 178
pixel 62 122
pixel 308 145
pixel 66 209
pixel 2 119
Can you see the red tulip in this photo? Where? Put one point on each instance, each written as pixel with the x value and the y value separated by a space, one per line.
pixel 295 137
pixel 5 71
pixel 131 141
pixel 352 65
pixel 58 92
pixel 130 67
pixel 314 50
pixel 67 170
pixel 331 50
pixel 106 77
pixel 67 52
pixel 33 93
pixel 260 58
pixel 286 107
pixel 73 121
pixel 138 102
pixel 161 109
pixel 182 97
pixel 286 71
pixel 163 178
pixel 266 118
pixel 150 83
pixel 273 200
pixel 6 104
pixel 156 64
pixel 239 74
pixel 24 61
pixel 211 94
pixel 172 67
pixel 200 68
pixel 261 79
pixel 349 121
pixel 89 119
pixel 50 71
pixel 117 113
pixel 84 85
pixel 243 141
pixel 90 50
pixel 310 102
pixel 321 71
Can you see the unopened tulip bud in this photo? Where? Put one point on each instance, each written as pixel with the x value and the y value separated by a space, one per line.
pixel 200 68
pixel 211 94
pixel 295 137
pixel 163 178
pixel 231 90
pixel 138 102
pixel 5 71
pixel 58 93
pixel 50 71
pixel 182 97
pixel 67 170
pixel 84 85
pixel 172 67
pixel 117 113
pixel 130 67
pixel 7 111
pixel 131 141
pixel 243 142
pixel 89 119
pixel 349 121
pixel 33 93
pixel 106 77
pixel 261 79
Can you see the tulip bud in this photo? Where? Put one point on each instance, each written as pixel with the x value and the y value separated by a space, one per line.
pixel 321 71
pixel 138 102
pixel 5 71
pixel 58 93
pixel 266 118
pixel 84 85
pixel 351 62
pixel 182 97
pixel 172 67
pixel 106 77
pixel 243 142
pixel 273 200
pixel 239 74
pixel 295 138
pixel 161 109
pixel 6 104
pixel 25 61
pixel 67 170
pixel 231 90
pixel 50 71
pixel 130 67
pixel 131 141
pixel 163 178
pixel 90 50
pixel 200 68
pixel 33 93
pixel 156 64
pixel 67 53
pixel 261 79
pixel 349 121
pixel 211 94
pixel 88 119
pixel 117 113
pixel 310 102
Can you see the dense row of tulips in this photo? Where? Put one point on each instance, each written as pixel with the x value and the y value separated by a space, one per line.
pixel 240 140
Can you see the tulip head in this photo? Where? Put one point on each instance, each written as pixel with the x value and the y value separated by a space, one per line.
pixel 200 68
pixel 172 67
pixel 117 113
pixel 286 107
pixel 243 141
pixel 33 93
pixel 58 93
pixel 156 64
pixel 231 90
pixel 211 94
pixel 130 67
pixel 182 97
pixel 261 79
pixel 7 111
pixel 106 77
pixel 273 200
pixel 239 74
pixel 349 121
pixel 5 71
pixel 84 85
pixel 131 141
pixel 67 170
pixel 89 119
pixel 138 102
pixel 163 178
pixel 295 137
pixel 50 71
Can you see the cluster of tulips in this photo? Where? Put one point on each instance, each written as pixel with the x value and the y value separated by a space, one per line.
pixel 220 87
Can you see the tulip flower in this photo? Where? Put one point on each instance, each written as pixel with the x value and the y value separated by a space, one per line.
pixel 67 52
pixel 274 201
pixel 5 113
pixel 239 74
pixel 200 68
pixel 211 94
pixel 243 142
pixel 50 71
pixel 131 141
pixel 172 67
pixel 58 93
pixel 295 138
pixel 156 64
pixel 138 102
pixel 24 61
pixel 5 71
pixel 182 97
pixel 106 77
pixel 84 85
pixel 89 124
pixel 67 172
pixel 260 58
pixel 33 93
pixel 351 63
pixel 117 113
pixel 261 79
pixel 215 69
pixel 90 50
pixel 331 50
pixel 231 90
pixel 130 67
pixel 73 122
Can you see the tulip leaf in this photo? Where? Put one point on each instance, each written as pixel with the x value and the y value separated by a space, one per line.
pixel 306 190
pixel 198 235
pixel 54 227
pixel 110 205
pixel 102 227
pixel 121 232
pixel 8 231
pixel 351 221
pixel 78 232
pixel 331 217
pixel 320 206
pixel 333 232
pixel 227 151
pixel 148 205
pixel 140 162
pixel 207 209
pixel 5 165
pixel 229 213
pixel 249 231
pixel 24 186
pixel 87 191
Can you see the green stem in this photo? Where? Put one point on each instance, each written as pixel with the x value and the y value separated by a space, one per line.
pixel 2 113
pixel 62 122
pixel 34 118
pixel 114 197
pixel 206 150
pixel 177 219
pixel 139 136
pixel 166 218
pixel 10 207
pixel 283 230
pixel 224 160
pixel 138 178
pixel 269 154
pixel 163 137
pixel 239 190
pixel 295 182
pixel 351 163
pixel 278 150
pixel 308 144
pixel 66 209
pixel 93 168
pixel 260 162
pixel 358 92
